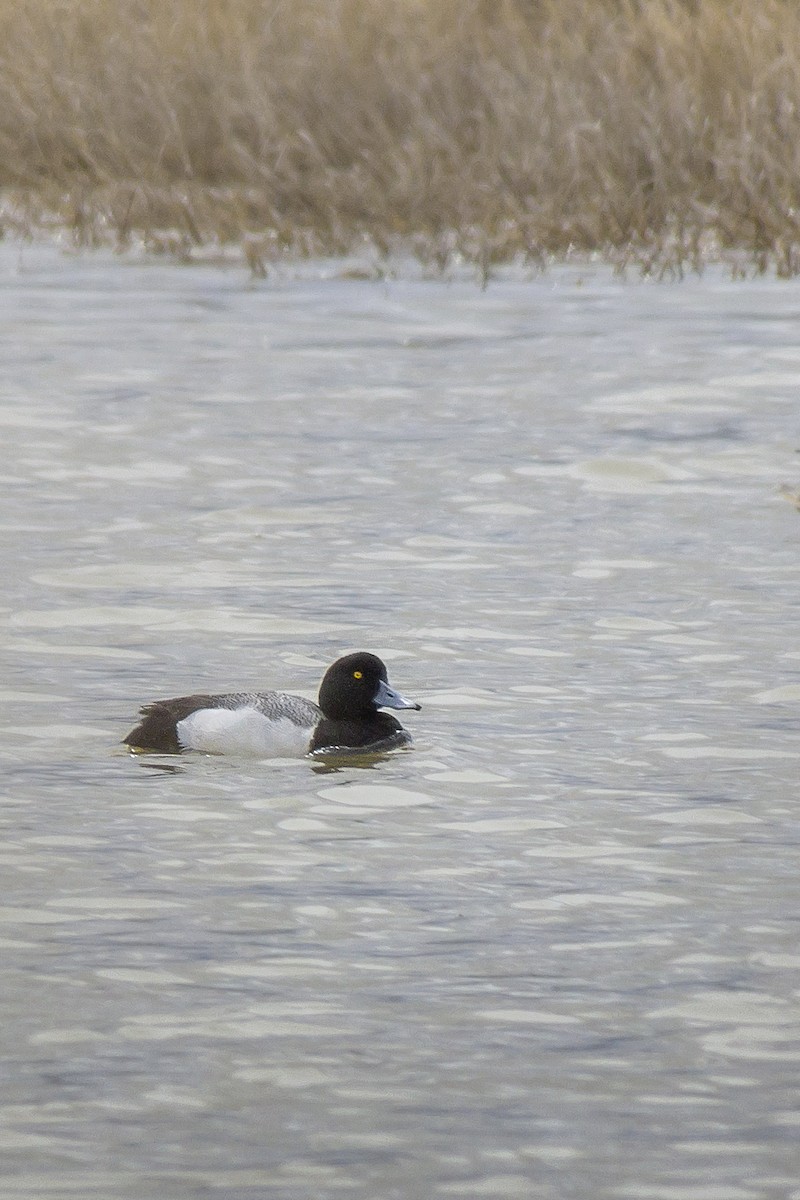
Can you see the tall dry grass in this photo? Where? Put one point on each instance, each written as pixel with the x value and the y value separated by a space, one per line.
pixel 659 131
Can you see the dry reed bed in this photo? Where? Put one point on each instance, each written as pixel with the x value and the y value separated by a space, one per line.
pixel 660 131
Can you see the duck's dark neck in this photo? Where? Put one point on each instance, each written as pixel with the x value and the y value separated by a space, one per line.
pixel 363 732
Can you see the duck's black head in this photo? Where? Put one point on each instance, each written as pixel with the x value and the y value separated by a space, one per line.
pixel 356 686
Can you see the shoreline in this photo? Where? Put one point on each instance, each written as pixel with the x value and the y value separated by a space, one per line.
pixel 662 136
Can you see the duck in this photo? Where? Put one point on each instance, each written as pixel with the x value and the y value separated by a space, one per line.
pixel 278 724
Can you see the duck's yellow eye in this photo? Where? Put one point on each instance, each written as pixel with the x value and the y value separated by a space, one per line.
pixel 357 675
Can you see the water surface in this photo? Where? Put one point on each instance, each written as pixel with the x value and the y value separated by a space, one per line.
pixel 552 950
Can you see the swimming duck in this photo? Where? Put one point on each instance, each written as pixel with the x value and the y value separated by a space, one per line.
pixel 277 724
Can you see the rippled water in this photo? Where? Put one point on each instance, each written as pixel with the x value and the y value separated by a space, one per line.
pixel 551 951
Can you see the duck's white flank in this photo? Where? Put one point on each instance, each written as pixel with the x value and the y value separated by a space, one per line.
pixel 243 731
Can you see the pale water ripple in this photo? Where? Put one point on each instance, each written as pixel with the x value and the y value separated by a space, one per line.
pixel 549 952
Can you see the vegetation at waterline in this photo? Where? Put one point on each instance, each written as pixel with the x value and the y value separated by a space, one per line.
pixel 657 132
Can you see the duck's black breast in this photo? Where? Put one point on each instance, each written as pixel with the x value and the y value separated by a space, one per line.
pixel 378 731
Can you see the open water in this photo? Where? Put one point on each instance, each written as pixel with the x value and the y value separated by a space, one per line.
pixel 553 950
